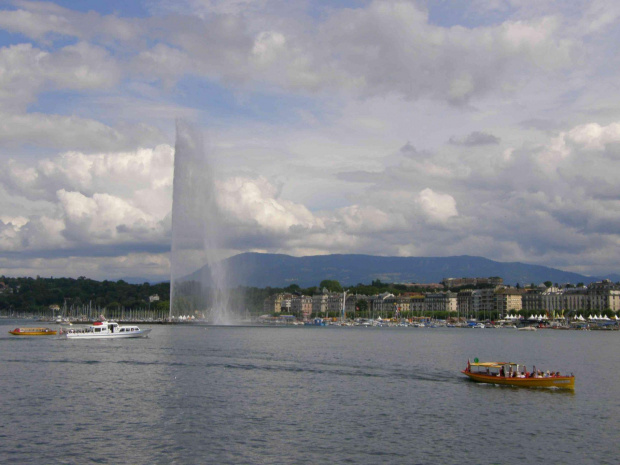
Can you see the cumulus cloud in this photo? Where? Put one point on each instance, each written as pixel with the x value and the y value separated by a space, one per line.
pixel 115 172
pixel 107 199
pixel 26 70
pixel 386 47
pixel 309 109
pixel 391 47
pixel 255 201
pixel 437 206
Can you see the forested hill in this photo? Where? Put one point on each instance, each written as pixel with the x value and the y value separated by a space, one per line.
pixel 277 270
pixel 263 274
pixel 33 294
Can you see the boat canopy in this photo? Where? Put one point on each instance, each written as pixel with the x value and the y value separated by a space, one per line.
pixel 492 364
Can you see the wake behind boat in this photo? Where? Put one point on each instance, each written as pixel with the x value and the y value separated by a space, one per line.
pixel 514 374
pixel 105 330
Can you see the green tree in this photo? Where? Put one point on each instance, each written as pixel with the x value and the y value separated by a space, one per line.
pixel 361 307
pixel 331 285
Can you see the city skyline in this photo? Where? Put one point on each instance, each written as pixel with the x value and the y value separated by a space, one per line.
pixel 395 128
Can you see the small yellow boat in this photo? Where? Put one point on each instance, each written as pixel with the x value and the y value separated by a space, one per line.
pixel 514 374
pixel 33 332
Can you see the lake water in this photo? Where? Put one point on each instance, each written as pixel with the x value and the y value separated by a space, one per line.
pixel 305 395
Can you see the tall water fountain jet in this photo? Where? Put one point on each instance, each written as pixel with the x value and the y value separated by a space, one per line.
pixel 197 233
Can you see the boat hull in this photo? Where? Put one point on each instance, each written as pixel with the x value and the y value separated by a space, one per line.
pixel 560 382
pixel 33 332
pixel 134 334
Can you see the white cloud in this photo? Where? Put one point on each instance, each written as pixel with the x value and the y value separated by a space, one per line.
pixel 44 21
pixel 71 132
pixel 439 207
pixel 107 199
pixel 309 106
pixel 104 218
pixel 116 172
pixel 25 71
pixel 254 202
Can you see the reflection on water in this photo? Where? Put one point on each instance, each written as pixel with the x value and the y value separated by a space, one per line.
pixel 304 395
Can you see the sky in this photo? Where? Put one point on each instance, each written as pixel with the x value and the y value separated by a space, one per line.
pixel 396 128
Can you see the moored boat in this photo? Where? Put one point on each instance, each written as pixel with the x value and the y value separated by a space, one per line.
pixel 33 332
pixel 105 330
pixel 515 374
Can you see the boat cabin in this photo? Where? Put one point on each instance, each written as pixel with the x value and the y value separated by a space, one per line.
pixel 505 370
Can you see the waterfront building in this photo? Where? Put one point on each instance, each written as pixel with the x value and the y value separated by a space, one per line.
pixel 464 304
pixel 478 303
pixel 604 295
pixel 351 304
pixel 483 302
pixel 555 300
pixel 381 304
pixel 417 303
pixel 508 300
pixel 403 305
pixel 273 304
pixel 575 299
pixel 532 299
pixel 441 302
pixel 301 306
pixel 319 302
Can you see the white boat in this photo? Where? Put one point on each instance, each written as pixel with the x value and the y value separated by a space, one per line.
pixel 527 328
pixel 105 330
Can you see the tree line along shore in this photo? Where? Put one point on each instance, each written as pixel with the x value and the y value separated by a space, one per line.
pixel 51 297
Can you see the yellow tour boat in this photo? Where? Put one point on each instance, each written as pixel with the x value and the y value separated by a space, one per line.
pixel 33 332
pixel 514 374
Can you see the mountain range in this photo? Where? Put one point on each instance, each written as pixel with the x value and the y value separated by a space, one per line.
pixel 278 270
